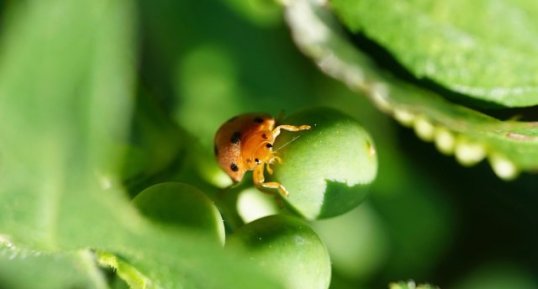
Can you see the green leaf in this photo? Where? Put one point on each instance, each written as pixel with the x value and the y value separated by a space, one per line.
pixel 484 49
pixel 511 146
pixel 327 170
pixel 22 270
pixel 65 99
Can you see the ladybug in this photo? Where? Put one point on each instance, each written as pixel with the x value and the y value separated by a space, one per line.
pixel 245 143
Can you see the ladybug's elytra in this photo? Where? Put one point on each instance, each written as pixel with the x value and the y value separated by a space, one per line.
pixel 245 143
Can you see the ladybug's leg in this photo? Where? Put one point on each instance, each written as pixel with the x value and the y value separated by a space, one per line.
pixel 277 129
pixel 274 185
pixel 275 158
pixel 268 168
pixel 259 181
pixel 272 161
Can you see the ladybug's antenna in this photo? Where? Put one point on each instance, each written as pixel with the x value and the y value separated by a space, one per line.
pixel 290 141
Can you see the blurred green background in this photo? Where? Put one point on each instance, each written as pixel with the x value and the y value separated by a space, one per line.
pixel 428 219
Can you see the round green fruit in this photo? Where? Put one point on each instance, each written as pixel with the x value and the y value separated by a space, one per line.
pixel 182 206
pixel 286 248
pixel 327 170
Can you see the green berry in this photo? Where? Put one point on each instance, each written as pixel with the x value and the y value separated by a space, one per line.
pixel 177 205
pixel 327 170
pixel 286 248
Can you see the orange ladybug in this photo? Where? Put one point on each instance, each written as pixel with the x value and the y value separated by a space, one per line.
pixel 245 143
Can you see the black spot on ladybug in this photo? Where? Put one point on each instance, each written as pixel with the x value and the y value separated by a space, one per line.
pixel 234 167
pixel 258 119
pixel 236 137
pixel 257 161
pixel 267 146
pixel 216 150
pixel 264 136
